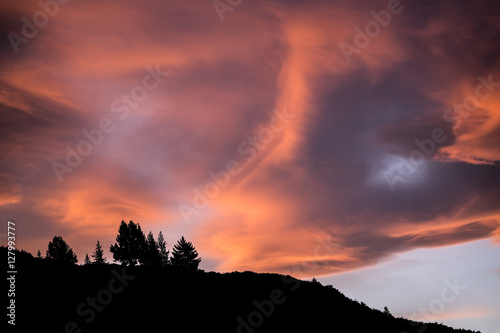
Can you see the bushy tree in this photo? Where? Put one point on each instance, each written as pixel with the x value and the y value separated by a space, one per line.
pixel 98 254
pixel 162 249
pixel 87 261
pixel 130 244
pixel 184 255
pixel 59 250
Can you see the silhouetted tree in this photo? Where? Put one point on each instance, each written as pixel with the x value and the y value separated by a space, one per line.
pixel 87 261
pixel 184 255
pixel 151 255
pixel 59 250
pixel 386 311
pixel 98 254
pixel 162 249
pixel 39 255
pixel 130 244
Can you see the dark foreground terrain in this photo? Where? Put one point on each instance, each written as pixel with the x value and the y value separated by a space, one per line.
pixel 111 298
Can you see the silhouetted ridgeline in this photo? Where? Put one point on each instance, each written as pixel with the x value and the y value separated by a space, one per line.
pixel 55 297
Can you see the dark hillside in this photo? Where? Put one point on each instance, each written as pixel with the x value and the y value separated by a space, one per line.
pixel 110 298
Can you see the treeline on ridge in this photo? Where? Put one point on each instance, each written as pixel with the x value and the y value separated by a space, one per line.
pixel 132 247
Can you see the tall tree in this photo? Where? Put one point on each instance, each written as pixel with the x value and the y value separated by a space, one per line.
pixel 130 244
pixel 87 261
pixel 98 254
pixel 184 255
pixel 151 255
pixel 59 250
pixel 162 249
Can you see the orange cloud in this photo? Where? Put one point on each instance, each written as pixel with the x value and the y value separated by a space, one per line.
pixel 304 204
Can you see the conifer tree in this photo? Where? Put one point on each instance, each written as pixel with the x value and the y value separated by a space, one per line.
pixel 184 255
pixel 98 254
pixel 87 261
pixel 130 244
pixel 162 249
pixel 151 255
pixel 59 250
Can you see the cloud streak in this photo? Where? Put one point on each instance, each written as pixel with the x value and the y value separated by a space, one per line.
pixel 320 180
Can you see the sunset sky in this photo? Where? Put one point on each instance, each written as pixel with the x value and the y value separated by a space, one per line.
pixel 357 141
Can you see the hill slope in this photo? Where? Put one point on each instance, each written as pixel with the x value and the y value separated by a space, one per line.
pixel 54 298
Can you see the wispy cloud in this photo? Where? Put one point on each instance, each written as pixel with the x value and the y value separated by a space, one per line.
pixel 321 177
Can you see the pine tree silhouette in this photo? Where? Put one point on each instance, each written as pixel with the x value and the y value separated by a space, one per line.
pixel 162 249
pixel 87 261
pixel 130 244
pixel 39 255
pixel 184 255
pixel 151 255
pixel 59 250
pixel 98 254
